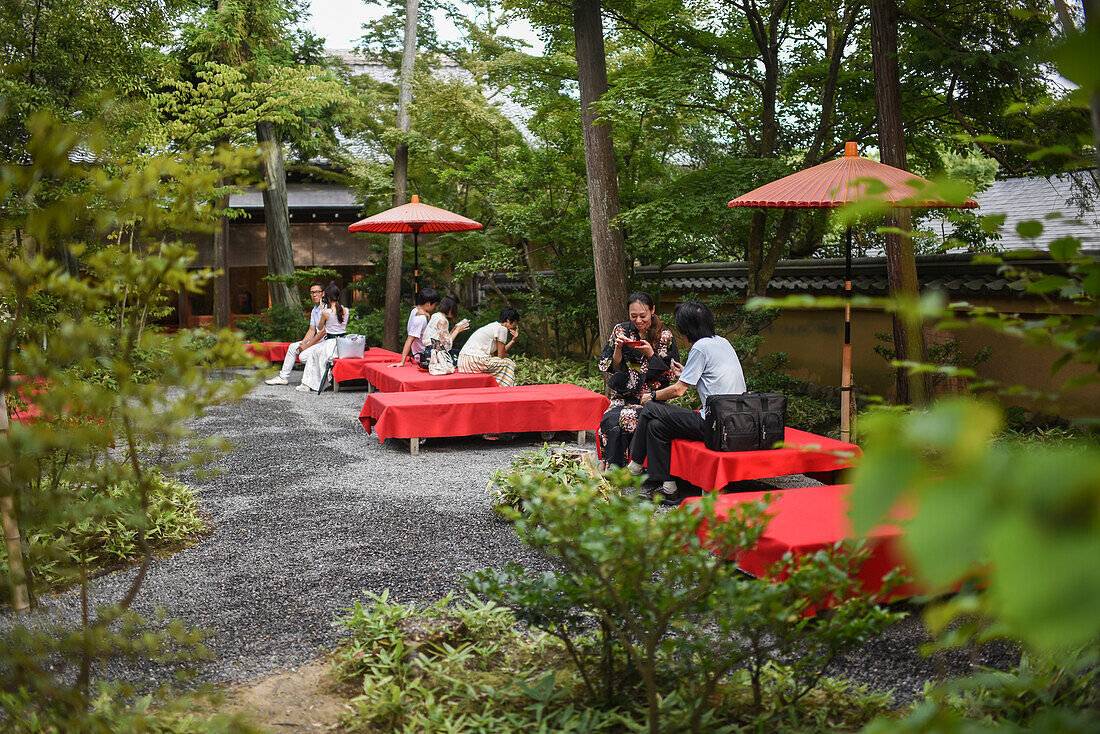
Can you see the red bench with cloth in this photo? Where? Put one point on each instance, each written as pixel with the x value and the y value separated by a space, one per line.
pixel 816 456
pixel 477 410
pixel 352 368
pixel 410 378
pixel 808 519
pixel 271 351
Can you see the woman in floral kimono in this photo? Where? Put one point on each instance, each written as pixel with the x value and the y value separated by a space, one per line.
pixel 638 358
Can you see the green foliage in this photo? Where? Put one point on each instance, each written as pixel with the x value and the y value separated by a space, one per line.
pixel 649 615
pixel 535 371
pixel 278 323
pixel 508 487
pixel 99 529
pixel 456 666
pixel 115 396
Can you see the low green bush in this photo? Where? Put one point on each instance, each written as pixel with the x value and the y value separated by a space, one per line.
pixel 566 465
pixel 668 634
pixel 278 323
pixel 539 371
pixel 99 528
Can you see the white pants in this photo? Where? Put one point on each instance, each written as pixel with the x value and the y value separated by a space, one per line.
pixel 288 362
pixel 315 358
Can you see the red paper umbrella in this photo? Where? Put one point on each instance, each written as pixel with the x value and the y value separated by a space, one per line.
pixel 834 184
pixel 416 218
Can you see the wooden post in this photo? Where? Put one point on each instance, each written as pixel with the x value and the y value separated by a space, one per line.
pixel 414 446
pixel 13 541
pixel 582 436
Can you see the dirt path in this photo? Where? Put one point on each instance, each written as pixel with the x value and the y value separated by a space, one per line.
pixel 299 700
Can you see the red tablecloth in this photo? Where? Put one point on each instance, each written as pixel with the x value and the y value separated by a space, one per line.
pixel 468 412
pixel 808 519
pixel 804 452
pixel 271 351
pixel 409 378
pixel 351 368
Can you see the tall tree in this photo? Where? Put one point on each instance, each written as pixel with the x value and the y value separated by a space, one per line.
pixel 392 332
pixel 257 37
pixel 901 264
pixel 608 254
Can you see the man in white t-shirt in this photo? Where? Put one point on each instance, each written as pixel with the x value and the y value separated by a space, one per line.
pixel 712 368
pixel 316 292
pixel 487 349
pixel 418 321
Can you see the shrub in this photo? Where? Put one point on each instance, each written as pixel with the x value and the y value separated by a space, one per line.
pixel 648 614
pixel 507 486
pixel 539 371
pixel 279 323
pixel 99 527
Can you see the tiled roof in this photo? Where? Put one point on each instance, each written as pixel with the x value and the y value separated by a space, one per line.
pixel 500 98
pixel 1052 201
pixel 301 196
pixel 954 274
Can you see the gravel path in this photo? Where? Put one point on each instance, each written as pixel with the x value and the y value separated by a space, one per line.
pixel 310 512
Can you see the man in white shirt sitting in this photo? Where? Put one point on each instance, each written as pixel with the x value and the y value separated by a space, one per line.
pixel 712 368
pixel 316 292
pixel 487 349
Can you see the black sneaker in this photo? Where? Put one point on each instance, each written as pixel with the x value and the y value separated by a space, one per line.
pixel 649 488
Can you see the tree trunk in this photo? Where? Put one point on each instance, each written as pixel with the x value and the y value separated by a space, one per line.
pixel 608 253
pixel 221 262
pixel 1092 25
pixel 392 335
pixel 280 253
pixel 901 265
pixel 17 576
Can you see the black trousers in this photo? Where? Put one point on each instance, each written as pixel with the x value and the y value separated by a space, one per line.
pixel 658 424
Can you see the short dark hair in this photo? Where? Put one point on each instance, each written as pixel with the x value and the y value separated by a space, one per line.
pixel 448 306
pixel 694 320
pixel 427 295
pixel 317 284
pixel 508 314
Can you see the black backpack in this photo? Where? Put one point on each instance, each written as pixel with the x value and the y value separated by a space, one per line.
pixel 746 422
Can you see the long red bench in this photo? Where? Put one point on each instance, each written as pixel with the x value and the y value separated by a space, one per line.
pixel 473 411
pixel 819 457
pixel 409 378
pixel 271 351
pixel 809 519
pixel 354 368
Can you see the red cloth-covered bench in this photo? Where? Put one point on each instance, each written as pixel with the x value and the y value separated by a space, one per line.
pixel 409 378
pixel 472 411
pixel 352 368
pixel 816 456
pixel 271 351
pixel 808 519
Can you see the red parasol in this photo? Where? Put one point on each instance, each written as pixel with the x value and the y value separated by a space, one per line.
pixel 416 218
pixel 834 184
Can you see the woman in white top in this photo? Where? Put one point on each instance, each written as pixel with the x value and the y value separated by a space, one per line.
pixel 333 323
pixel 440 336
pixel 487 349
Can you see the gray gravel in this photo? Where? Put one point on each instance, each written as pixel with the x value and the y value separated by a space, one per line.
pixel 310 512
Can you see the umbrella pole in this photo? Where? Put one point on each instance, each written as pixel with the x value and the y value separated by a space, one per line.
pixel 846 353
pixel 416 270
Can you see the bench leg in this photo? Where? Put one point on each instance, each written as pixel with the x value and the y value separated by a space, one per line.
pixel 414 446
pixel 581 437
pixel 335 385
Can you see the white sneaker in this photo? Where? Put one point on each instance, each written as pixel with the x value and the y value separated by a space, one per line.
pixel 635 469
pixel 303 388
pixel 276 380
